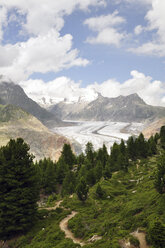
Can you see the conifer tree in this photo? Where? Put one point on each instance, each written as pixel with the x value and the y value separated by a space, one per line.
pixel 46 173
pixel 68 156
pixel 68 186
pixel 98 170
pixel 82 190
pixel 156 234
pixel 99 192
pixel 160 175
pixel 162 137
pixel 142 146
pixel 122 147
pixel 152 149
pixel 18 191
pixel 89 151
pixel 107 172
pixel 131 148
pixel 62 169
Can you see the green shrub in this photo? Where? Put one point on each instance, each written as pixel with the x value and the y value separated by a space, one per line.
pixel 134 241
pixel 156 234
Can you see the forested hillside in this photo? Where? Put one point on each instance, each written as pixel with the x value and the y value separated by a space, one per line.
pixel 117 199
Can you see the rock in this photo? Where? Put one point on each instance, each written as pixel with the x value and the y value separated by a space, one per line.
pixel 95 238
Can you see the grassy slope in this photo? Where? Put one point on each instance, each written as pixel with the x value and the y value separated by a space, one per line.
pixel 130 205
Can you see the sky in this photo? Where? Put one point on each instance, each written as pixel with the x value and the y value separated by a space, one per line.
pixel 67 47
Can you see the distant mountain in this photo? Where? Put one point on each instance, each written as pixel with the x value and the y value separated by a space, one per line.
pixel 15 122
pixel 13 94
pixel 123 109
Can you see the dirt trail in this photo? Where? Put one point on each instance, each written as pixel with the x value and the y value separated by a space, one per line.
pixel 64 224
pixel 68 233
pixel 54 208
pixel 141 237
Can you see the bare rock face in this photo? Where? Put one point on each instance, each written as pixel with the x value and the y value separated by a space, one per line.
pixel 122 109
pixel 15 122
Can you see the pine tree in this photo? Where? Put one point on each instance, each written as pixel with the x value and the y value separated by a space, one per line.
pixel 102 155
pixel 131 148
pixel 122 147
pixel 98 170
pixel 160 175
pixel 107 172
pixel 156 234
pixel 114 157
pixel 99 192
pixel 142 146
pixel 162 137
pixel 82 190
pixel 46 172
pixel 18 192
pixel 68 156
pixel 68 186
pixel 152 149
pixel 62 169
pixel 89 151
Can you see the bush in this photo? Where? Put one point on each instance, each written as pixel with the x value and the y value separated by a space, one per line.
pixel 156 234
pixel 51 199
pixel 134 241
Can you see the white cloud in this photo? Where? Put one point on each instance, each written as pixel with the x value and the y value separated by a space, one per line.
pixel 59 89
pixel 155 23
pixel 49 14
pixel 138 29
pixel 151 91
pixel 45 50
pixel 43 54
pixel 150 48
pixel 3 19
pixel 156 18
pixel 107 28
pixel 108 36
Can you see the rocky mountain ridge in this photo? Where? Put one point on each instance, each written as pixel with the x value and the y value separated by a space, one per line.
pixel 129 108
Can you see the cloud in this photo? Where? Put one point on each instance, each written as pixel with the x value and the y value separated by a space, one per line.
pixel 151 91
pixel 138 29
pixel 107 29
pixel 3 19
pixel 150 48
pixel 58 89
pixel 49 14
pixel 156 24
pixel 44 50
pixel 47 53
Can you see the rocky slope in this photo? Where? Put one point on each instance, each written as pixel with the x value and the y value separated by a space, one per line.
pixel 121 109
pixel 13 94
pixel 15 122
pixel 153 128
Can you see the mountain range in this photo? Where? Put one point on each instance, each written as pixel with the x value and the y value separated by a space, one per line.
pixel 20 116
pixel 129 108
